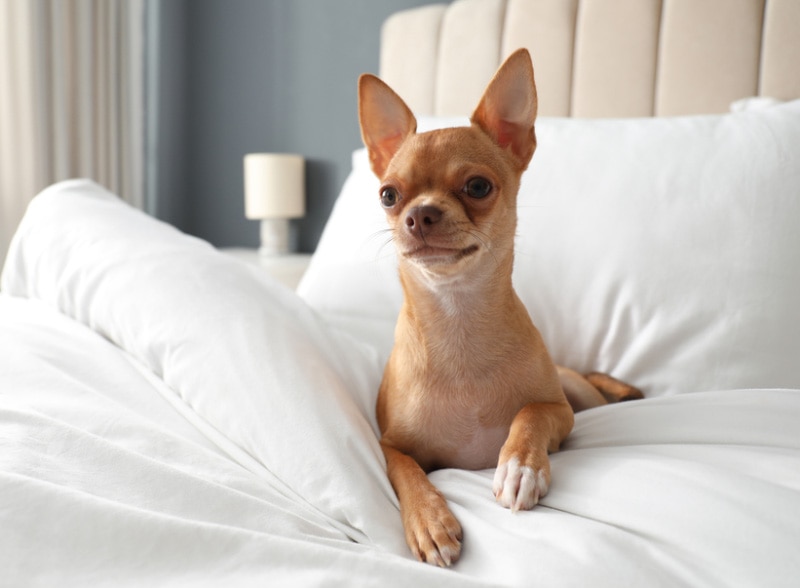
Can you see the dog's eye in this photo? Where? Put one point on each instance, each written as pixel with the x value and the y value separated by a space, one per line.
pixel 389 197
pixel 478 187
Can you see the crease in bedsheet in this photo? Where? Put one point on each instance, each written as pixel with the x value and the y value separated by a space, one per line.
pixel 728 528
pixel 78 460
pixel 76 495
pixel 160 546
pixel 233 450
pixel 563 541
pixel 11 414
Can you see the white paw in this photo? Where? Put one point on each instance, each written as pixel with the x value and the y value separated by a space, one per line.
pixel 519 487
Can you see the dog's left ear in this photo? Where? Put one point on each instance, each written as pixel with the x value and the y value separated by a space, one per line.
pixel 508 107
pixel 385 120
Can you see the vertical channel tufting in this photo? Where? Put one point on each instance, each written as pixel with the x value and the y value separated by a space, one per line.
pixel 616 52
pixel 709 54
pixel 598 57
pixel 409 46
pixel 547 29
pixel 780 50
pixel 469 53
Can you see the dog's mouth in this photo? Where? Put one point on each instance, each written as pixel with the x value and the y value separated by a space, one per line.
pixel 430 254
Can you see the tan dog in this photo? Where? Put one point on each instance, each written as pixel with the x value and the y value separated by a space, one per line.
pixel 469 383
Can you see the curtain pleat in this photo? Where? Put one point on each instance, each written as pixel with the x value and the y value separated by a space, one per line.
pixel 72 99
pixel 18 105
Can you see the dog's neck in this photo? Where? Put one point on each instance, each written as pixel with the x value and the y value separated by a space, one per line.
pixel 467 302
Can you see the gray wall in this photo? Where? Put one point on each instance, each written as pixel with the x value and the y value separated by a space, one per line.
pixel 166 153
pixel 241 76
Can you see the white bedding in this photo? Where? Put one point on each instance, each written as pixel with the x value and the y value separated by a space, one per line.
pixel 171 416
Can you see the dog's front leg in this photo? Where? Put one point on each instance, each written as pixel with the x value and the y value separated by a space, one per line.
pixel 432 532
pixel 523 469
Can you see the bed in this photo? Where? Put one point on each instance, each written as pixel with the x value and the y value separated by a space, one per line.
pixel 170 415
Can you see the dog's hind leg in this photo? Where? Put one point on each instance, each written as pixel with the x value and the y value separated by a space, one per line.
pixel 594 389
pixel 612 389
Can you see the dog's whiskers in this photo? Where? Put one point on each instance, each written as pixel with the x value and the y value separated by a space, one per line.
pixel 378 234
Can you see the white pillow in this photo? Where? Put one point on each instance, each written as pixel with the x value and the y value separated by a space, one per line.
pixel 663 250
pixel 249 363
pixel 754 103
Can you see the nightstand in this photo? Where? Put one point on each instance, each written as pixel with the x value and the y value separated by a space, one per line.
pixel 287 269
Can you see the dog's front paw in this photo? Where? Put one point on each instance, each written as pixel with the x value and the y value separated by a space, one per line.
pixel 520 484
pixel 433 533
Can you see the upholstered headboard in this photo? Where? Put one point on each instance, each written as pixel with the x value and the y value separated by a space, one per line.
pixel 598 58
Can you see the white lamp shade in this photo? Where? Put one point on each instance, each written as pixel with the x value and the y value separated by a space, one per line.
pixel 274 186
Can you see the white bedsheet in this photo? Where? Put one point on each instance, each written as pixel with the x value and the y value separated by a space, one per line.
pixel 168 417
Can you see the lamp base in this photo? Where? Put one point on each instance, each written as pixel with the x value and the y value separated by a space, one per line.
pixel 274 237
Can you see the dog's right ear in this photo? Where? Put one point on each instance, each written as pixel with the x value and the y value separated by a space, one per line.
pixel 385 120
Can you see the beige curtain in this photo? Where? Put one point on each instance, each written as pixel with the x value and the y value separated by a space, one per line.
pixel 71 99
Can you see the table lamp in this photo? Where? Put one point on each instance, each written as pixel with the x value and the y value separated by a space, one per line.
pixel 274 192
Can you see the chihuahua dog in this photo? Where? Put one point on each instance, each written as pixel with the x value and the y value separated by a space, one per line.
pixel 469 383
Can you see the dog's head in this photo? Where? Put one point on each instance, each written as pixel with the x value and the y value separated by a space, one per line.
pixel 450 194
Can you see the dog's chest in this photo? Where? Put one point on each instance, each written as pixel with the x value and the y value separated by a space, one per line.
pixel 479 450
pixel 458 426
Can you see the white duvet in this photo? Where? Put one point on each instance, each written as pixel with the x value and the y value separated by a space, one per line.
pixel 170 416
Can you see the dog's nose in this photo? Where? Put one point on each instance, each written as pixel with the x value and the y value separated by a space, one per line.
pixel 420 218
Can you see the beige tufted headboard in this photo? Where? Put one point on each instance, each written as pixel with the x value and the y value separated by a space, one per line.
pixel 597 58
